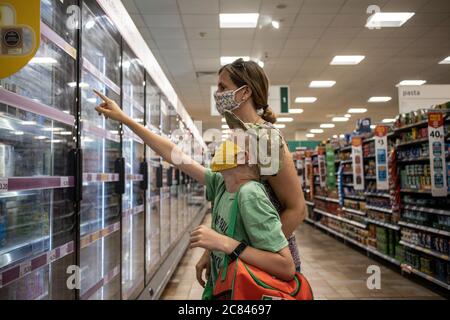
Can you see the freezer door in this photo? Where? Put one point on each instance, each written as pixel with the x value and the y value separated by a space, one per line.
pixel 152 105
pixel 165 210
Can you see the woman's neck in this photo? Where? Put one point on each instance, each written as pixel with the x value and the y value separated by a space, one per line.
pixel 247 113
pixel 234 181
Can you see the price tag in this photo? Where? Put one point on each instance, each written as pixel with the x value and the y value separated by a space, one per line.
pixel 436 142
pixel 64 181
pixel 3 185
pixel 308 170
pixel 357 163
pixel 381 157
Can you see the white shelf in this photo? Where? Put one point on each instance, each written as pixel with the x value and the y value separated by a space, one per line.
pixel 379 209
pixel 356 198
pixel 410 269
pixel 340 235
pixel 383 224
pixel 419 227
pixel 309 203
pixel 346 161
pixel 428 251
pixel 310 221
pixel 354 211
pixel 332 216
pixel 377 194
pixel 327 199
pixel 382 255
pixel 429 210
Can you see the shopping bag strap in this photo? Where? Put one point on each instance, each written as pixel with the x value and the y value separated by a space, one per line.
pixel 230 231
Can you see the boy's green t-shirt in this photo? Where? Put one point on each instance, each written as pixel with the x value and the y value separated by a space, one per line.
pixel 258 223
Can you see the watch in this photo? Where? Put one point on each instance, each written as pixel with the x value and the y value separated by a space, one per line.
pixel 237 251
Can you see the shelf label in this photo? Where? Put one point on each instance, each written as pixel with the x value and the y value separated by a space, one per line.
pixel 331 167
pixel 308 170
pixel 381 157
pixel 64 182
pixel 357 163
pixel 322 167
pixel 436 139
pixel 3 185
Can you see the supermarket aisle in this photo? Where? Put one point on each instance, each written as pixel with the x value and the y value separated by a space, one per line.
pixel 335 271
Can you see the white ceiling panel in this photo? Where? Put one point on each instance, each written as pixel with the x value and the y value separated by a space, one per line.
pixel 324 6
pixel 157 6
pixel 306 32
pixel 167 33
pixel 301 43
pixel 204 44
pixel 162 21
pixel 171 43
pixel 202 33
pixel 199 6
pixel 239 6
pixel 270 6
pixel 271 33
pixel 405 5
pixel 205 53
pixel 360 6
pixel 233 34
pixel 314 20
pixel 200 20
pixel 245 44
pixel 350 20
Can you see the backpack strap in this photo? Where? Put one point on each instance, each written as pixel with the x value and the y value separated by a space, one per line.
pixel 230 230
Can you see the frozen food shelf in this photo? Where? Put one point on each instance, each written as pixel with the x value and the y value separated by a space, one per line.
pixel 128 134
pixel 340 235
pixel 377 194
pixel 309 203
pixel 425 250
pixel 382 255
pixel 412 125
pixel 133 102
pixel 410 269
pixel 424 228
pixel 51 35
pixel 332 216
pixel 104 281
pixel 88 66
pixel 23 103
pixel 12 254
pixel 94 236
pixel 357 198
pixel 100 177
pixel 133 211
pixel 429 210
pixel 379 209
pixel 327 199
pixel 98 131
pixel 14 184
pixel 134 177
pixel 358 212
pixel 368 177
pixel 383 224
pixel 421 159
pixel 410 143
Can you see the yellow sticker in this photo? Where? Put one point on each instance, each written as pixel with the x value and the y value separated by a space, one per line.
pixel 19 34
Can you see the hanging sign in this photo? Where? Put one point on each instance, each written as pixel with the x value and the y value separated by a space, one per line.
pixel 381 157
pixel 20 23
pixel 331 167
pixel 322 167
pixel 436 143
pixel 358 166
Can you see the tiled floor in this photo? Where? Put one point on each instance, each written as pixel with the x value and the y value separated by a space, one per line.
pixel 334 270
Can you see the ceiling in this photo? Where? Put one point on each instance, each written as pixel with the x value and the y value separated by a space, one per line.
pixel 185 38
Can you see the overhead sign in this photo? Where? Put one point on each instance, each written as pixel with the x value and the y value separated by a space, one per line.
pixel 20 23
pixel 381 157
pixel 412 98
pixel 436 139
pixel 358 165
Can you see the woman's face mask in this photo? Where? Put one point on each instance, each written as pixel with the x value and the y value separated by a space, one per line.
pixel 226 100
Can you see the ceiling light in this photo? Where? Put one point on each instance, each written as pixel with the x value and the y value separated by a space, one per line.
pixel 347 60
pixel 316 130
pixel 28 123
pixel 348 115
pixel 287 119
pixel 227 59
pixel 339 119
pixel 295 111
pixel 379 99
pixel 43 60
pixel 388 19
pixel 225 126
pixel 411 83
pixel 126 64
pixel 82 84
pixel 388 120
pixel 357 110
pixel 445 61
pixel 276 24
pixel 280 126
pixel 260 63
pixel 310 135
pixel 305 99
pixel 65 133
pixel 238 20
pixel 373 126
pixel 223 120
pixel 342 136
pixel 322 84
pixel 327 125
pixel 335 136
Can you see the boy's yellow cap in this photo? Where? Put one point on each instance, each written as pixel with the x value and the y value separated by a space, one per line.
pixel 225 156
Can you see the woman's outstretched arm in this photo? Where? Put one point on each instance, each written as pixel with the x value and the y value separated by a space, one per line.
pixel 164 147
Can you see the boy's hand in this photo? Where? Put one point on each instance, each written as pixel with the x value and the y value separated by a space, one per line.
pixel 203 264
pixel 109 108
pixel 207 238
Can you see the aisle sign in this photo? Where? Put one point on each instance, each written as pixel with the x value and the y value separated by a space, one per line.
pixel 436 139
pixel 331 167
pixel 322 167
pixel 381 157
pixel 357 163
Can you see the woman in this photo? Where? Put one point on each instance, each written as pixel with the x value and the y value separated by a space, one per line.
pixel 243 88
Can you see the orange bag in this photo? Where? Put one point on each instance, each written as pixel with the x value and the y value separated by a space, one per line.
pixel 240 281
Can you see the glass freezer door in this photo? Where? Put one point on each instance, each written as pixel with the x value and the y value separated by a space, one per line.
pixel 133 233
pixel 100 143
pixel 165 209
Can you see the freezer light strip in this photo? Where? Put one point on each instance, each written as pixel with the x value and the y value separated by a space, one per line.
pixel 10 184
pixel 104 281
pixel 18 271
pixel 132 211
pixel 87 65
pixel 99 234
pixel 26 104
pixel 51 35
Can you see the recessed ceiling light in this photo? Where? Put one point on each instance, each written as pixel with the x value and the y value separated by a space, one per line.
pixel 342 136
pixel 373 126
pixel 379 99
pixel 295 111
pixel 310 135
pixel 357 110
pixel 316 130
pixel 339 119
pixel 445 61
pixel 335 136
pixel 411 83
pixel 238 20
pixel 280 126
pixel 322 84
pixel 388 120
pixel 348 115
pixel 43 60
pixel 285 119
pixel 227 59
pixel 305 99
pixel 388 19
pixel 276 24
pixel 327 125
pixel 225 126
pixel 347 60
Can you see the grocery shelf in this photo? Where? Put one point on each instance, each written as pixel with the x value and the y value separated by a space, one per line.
pixel 425 250
pixel 357 198
pixel 332 216
pixel 88 66
pixel 346 161
pixel 348 185
pixel 100 177
pixel 412 125
pixel 370 177
pixel 414 160
pixel 379 209
pixel 346 148
pixel 347 173
pixel 102 282
pixel 383 224
pixel 424 228
pixel 310 221
pixel 410 269
pixel 429 210
pixel 340 235
pixel 93 129
pixel 410 143
pixel 358 212
pixel 309 203
pixel 377 194
pixel 51 35
pixel 369 140
pixel 382 255
pixel 327 199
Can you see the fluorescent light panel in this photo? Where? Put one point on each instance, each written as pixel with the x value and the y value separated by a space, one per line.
pixel 280 126
pixel 305 99
pixel 322 84
pixel 411 83
pixel 327 125
pixel 339 119
pixel 357 110
pixel 445 61
pixel 295 111
pixel 316 130
pixel 238 20
pixel 285 119
pixel 388 19
pixel 310 135
pixel 228 59
pixel 347 60
pixel 276 24
pixel 379 99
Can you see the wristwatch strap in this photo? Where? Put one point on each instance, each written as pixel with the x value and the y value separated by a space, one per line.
pixel 237 252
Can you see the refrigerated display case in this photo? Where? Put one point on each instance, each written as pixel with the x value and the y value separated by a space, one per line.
pixel 173 129
pixel 37 138
pixel 100 206
pixel 133 252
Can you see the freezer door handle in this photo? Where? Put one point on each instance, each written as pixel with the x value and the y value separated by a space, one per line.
pixel 144 171
pixel 169 177
pixel 159 177
pixel 177 177
pixel 76 169
pixel 120 169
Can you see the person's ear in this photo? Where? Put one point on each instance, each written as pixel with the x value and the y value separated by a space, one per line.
pixel 246 93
